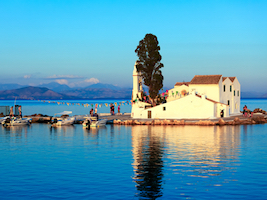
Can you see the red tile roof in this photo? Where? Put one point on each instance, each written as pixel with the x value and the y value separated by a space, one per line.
pixel 206 79
pixel 232 78
pixel 182 83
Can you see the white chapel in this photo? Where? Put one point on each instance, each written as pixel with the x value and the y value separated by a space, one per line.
pixel 204 97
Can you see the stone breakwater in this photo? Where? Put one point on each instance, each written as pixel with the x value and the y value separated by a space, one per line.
pixel 259 117
pixel 220 122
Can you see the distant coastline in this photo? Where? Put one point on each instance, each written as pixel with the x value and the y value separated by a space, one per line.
pixel 94 92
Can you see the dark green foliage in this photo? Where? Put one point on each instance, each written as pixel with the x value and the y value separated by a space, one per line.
pixel 149 64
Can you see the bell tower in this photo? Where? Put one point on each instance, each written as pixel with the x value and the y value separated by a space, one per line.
pixel 137 84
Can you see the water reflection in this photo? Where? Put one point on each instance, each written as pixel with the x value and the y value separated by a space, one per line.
pixel 194 154
pixel 148 152
pixel 94 131
pixel 63 130
pixel 15 131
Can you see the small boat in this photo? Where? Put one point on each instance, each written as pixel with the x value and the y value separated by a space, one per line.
pixel 16 121
pixel 63 121
pixel 94 122
pixel 3 119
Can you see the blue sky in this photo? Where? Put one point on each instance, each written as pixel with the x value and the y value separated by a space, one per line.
pixel 85 42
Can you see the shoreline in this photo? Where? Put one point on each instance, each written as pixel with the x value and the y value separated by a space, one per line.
pixel 258 118
pixel 125 119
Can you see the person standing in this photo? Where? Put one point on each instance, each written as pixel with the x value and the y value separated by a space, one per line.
pixel 11 112
pixel 91 112
pixel 20 113
pixel 222 113
pixel 119 108
pixel 111 105
pixel 112 109
pixel 95 108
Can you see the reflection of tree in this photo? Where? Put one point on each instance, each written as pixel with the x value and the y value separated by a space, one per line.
pixel 149 169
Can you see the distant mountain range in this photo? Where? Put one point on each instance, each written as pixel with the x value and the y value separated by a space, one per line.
pixel 10 86
pixel 55 90
pixel 30 93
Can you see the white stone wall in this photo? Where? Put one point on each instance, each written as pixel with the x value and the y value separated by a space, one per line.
pixel 172 93
pixel 232 96
pixel 236 96
pixel 189 107
pixel 212 91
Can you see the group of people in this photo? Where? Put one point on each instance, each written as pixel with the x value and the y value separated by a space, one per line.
pixel 11 113
pixel 112 109
pixel 93 112
pixel 247 112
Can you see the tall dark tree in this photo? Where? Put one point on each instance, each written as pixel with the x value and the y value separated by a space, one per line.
pixel 149 64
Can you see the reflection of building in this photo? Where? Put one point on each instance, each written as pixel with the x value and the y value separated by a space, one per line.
pixel 205 96
pixel 148 164
pixel 189 151
pixel 204 151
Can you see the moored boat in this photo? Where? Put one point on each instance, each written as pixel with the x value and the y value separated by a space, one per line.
pixel 63 120
pixel 16 121
pixel 94 122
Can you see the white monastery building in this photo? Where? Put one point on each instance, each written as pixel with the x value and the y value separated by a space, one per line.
pixel 204 97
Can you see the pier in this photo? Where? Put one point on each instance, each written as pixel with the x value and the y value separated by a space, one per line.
pixel 126 119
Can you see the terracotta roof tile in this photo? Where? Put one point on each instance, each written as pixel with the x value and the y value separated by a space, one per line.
pixel 181 83
pixel 232 78
pixel 206 79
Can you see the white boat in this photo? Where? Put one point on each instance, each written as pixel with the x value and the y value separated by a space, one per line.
pixel 94 122
pixel 63 121
pixel 15 121
pixel 3 119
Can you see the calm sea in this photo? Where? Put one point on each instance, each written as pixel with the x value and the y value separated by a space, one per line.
pixel 134 162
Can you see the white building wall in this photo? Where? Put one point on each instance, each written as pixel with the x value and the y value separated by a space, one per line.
pixel 226 94
pixel 190 107
pixel 232 96
pixel 172 93
pixel 236 96
pixel 212 91
pixel 220 107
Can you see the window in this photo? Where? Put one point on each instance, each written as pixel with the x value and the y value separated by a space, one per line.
pixel 230 88
pixel 234 92
pixel 224 88
pixel 238 93
pixel 228 102
pixel 164 108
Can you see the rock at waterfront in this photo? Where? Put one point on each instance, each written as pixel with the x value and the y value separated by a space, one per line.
pixel 221 122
